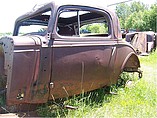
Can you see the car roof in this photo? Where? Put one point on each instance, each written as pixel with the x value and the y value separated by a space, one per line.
pixel 56 4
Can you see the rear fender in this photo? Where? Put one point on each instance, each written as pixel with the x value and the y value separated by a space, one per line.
pixel 131 63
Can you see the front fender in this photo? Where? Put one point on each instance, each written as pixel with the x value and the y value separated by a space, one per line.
pixel 23 63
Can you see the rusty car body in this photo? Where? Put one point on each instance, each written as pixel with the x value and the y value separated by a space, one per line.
pixel 143 42
pixel 48 58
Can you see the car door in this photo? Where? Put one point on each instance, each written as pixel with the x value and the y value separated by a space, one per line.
pixel 28 59
pixel 81 61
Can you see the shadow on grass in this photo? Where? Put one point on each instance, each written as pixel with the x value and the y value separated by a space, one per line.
pixel 90 99
pixel 84 101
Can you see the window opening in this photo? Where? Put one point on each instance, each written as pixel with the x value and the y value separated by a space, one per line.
pixel 83 23
pixel 36 25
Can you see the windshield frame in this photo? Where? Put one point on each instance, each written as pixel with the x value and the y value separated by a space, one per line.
pixel 33 14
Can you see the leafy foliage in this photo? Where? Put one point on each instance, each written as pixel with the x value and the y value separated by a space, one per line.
pixel 137 7
pixel 123 11
pixel 135 21
pixel 137 16
pixel 95 28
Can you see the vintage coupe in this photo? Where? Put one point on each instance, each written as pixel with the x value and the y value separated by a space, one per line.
pixel 143 42
pixel 59 50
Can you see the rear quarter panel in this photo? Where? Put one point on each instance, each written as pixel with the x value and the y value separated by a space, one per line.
pixel 126 57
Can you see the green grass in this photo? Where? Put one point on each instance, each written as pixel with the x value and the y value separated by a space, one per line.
pixel 139 100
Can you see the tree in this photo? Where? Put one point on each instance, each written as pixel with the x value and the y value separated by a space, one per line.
pixel 153 17
pixel 135 21
pixel 149 18
pixel 137 16
pixel 137 7
pixel 95 28
pixel 123 11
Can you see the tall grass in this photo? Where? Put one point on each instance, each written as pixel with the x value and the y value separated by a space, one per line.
pixel 138 100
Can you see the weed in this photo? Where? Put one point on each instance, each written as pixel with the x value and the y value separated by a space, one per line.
pixel 2 90
pixel 136 101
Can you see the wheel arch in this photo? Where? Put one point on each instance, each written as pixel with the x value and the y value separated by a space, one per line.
pixel 131 63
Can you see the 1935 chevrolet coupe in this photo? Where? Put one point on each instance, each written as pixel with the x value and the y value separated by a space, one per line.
pixel 59 50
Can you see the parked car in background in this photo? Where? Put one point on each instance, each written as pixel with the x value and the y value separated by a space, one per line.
pixel 48 58
pixel 143 42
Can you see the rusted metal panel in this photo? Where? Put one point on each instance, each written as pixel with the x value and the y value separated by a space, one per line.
pixel 139 42
pixel 21 67
pixel 1 58
pixel 72 68
pixel 143 42
pixel 40 68
pixel 40 87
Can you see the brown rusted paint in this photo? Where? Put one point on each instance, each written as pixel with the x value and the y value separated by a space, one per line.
pixel 1 61
pixel 143 42
pixel 76 64
pixel 41 68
